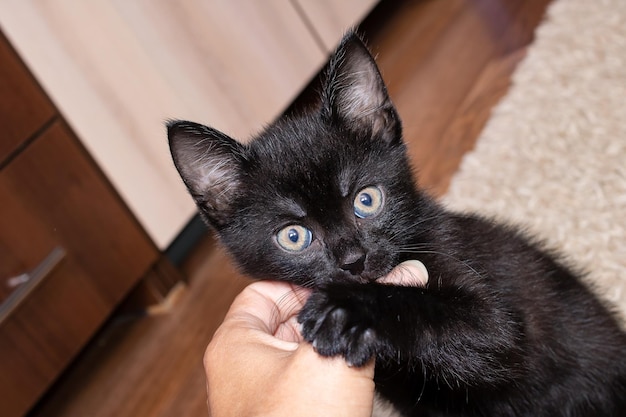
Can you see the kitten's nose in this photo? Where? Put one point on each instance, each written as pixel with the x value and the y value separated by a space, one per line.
pixel 354 262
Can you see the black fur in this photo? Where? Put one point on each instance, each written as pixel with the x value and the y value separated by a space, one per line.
pixel 503 327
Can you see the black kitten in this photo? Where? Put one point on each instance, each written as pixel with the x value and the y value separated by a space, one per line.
pixel 327 200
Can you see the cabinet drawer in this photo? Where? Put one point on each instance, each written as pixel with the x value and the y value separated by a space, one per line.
pixel 56 183
pixel 44 332
pixel 52 196
pixel 24 108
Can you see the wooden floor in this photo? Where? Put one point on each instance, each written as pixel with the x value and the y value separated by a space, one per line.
pixel 446 62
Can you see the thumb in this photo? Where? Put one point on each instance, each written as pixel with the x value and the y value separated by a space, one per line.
pixel 410 273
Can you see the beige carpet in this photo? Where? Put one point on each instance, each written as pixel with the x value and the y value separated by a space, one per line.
pixel 553 155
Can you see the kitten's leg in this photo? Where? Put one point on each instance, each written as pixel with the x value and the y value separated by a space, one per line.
pixel 456 334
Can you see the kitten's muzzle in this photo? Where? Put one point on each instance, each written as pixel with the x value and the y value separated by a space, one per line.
pixel 354 262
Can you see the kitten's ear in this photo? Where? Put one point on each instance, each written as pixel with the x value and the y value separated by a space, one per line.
pixel 355 94
pixel 210 164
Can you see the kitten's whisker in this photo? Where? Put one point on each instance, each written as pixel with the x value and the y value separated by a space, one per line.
pixel 418 250
pixel 309 284
pixel 283 318
pixel 288 302
pixel 414 225
pixel 423 383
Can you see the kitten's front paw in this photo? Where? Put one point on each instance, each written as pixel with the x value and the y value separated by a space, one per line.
pixel 339 327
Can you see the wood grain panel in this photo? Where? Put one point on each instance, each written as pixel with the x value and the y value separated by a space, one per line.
pixel 117 70
pixel 330 18
pixel 41 337
pixel 55 182
pixel 52 196
pixel 25 239
pixel 23 106
pixel 470 118
pixel 46 329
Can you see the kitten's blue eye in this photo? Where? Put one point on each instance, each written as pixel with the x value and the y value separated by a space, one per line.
pixel 368 202
pixel 294 238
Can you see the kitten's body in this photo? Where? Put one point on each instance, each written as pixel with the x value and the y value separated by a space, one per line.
pixel 327 200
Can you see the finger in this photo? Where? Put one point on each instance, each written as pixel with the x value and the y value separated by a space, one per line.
pixel 310 359
pixel 266 301
pixel 289 331
pixel 264 310
pixel 410 273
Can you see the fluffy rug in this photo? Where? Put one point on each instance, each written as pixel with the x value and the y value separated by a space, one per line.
pixel 553 155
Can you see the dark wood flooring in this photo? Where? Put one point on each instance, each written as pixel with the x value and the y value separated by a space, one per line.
pixel 446 62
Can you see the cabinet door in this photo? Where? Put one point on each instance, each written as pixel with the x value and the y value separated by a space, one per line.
pixel 23 106
pixel 43 331
pixel 58 183
pixel 62 227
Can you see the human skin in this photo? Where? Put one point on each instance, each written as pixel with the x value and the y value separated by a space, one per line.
pixel 257 363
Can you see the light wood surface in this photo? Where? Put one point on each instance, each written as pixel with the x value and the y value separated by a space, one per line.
pixel 119 69
pixel 331 18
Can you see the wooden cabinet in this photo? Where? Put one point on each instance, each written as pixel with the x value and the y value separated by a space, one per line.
pixel 69 248
pixel 118 69
pixel 23 107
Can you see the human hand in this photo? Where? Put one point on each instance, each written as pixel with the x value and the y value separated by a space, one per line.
pixel 257 363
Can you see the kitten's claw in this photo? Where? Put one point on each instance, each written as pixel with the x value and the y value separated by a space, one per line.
pixel 335 330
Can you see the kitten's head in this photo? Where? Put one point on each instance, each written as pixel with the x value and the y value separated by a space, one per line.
pixel 315 198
